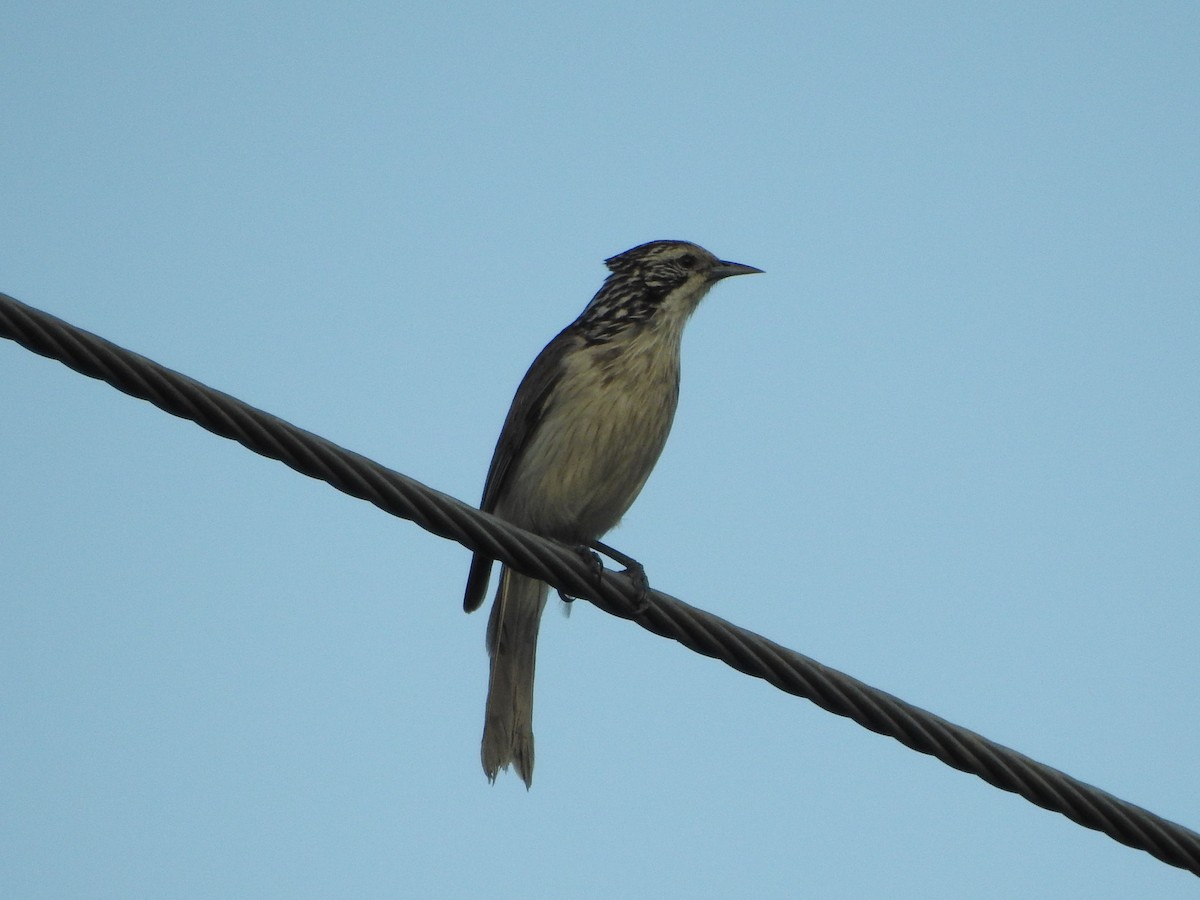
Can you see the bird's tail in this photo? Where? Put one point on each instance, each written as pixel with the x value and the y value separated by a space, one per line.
pixel 512 644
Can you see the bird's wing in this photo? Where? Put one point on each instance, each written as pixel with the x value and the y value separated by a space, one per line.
pixel 526 413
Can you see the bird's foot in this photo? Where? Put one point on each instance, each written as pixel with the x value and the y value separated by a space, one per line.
pixel 634 571
pixel 594 564
pixel 637 575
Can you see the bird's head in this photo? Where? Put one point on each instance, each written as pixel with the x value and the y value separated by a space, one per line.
pixel 664 266
pixel 660 277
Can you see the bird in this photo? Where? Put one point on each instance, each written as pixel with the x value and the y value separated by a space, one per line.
pixel 585 428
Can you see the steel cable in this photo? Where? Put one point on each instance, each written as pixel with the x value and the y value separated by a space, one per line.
pixel 568 571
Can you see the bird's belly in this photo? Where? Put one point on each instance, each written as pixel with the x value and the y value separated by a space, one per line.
pixel 594 450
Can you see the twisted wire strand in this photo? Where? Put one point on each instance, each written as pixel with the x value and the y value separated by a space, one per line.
pixel 614 593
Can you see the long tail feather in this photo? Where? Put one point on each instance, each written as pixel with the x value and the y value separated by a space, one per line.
pixel 512 645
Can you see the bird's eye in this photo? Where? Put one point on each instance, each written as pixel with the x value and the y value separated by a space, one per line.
pixel 688 261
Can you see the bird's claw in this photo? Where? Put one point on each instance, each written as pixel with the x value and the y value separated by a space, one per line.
pixel 636 573
pixel 595 566
pixel 595 563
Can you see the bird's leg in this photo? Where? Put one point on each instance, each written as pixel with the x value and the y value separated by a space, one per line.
pixel 635 571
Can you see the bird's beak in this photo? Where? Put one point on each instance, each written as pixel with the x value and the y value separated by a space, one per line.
pixel 726 269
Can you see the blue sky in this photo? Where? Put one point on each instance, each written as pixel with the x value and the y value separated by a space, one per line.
pixel 948 443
